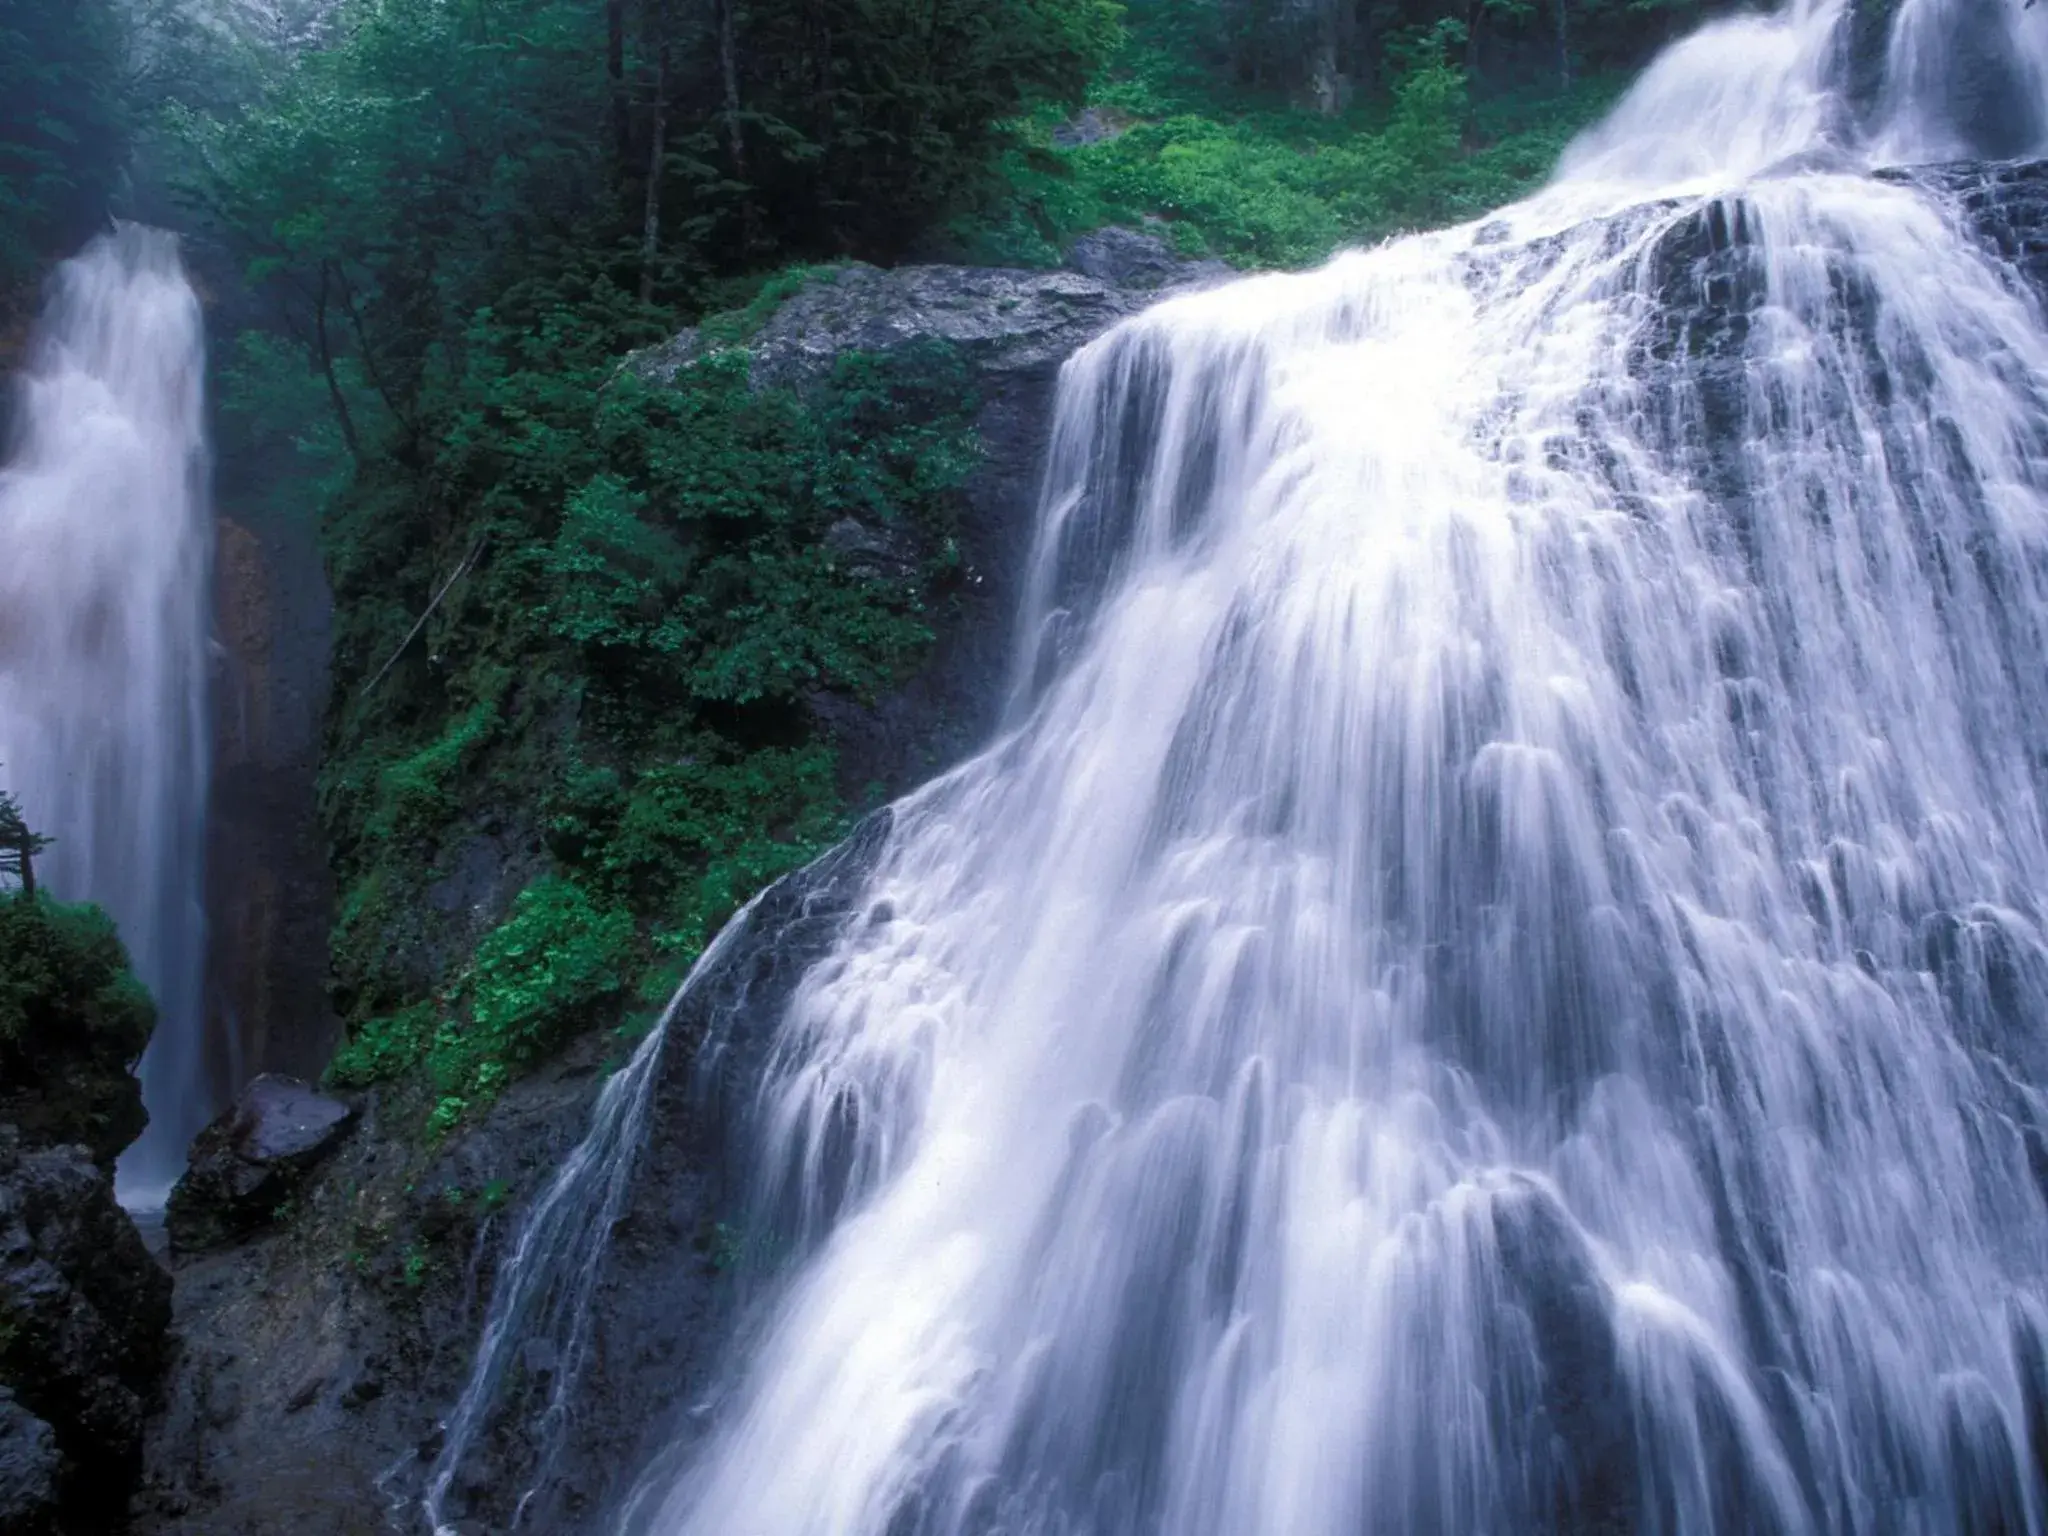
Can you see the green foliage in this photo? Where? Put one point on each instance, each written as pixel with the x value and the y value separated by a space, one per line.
pixel 384 1048
pixel 1265 186
pixel 666 581
pixel 536 977
pixel 870 118
pixel 416 795
pixel 63 972
pixel 73 1022
pixel 63 127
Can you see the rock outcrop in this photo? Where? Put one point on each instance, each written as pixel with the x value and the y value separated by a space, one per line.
pixel 83 1313
pixel 250 1161
pixel 30 1468
pixel 1015 328
pixel 73 1021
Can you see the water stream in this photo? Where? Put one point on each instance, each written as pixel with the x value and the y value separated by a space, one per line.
pixel 105 595
pixel 1495 979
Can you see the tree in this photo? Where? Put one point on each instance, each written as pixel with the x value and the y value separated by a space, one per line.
pixel 63 128
pixel 18 845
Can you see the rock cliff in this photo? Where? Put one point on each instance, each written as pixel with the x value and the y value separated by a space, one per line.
pixel 314 1360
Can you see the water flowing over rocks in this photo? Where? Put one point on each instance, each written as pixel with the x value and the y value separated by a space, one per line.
pixel 316 1345
pixel 1492 979
pixel 103 651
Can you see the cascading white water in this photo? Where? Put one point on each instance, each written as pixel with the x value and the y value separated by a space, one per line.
pixel 105 555
pixel 1496 980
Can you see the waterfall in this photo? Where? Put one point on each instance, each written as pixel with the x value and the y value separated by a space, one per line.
pixel 105 553
pixel 1494 979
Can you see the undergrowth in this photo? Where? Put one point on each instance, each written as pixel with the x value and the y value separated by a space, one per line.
pixel 1258 182
pixel 610 710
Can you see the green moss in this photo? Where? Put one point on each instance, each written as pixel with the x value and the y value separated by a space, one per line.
pixel 537 977
pixel 416 794
pixel 73 1022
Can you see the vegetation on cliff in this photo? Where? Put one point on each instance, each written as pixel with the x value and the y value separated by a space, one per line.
pixel 63 128
pixel 585 622
pixel 73 1017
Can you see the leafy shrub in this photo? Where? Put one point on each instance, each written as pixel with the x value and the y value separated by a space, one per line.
pixel 73 1022
pixel 536 978
pixel 1261 185
pixel 383 1048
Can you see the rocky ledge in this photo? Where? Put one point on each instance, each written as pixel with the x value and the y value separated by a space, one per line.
pixel 83 1313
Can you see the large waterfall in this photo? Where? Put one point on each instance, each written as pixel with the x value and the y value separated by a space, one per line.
pixel 1496 979
pixel 105 551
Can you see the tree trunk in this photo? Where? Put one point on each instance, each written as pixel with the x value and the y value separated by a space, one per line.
pixel 334 394
pixel 1564 50
pixel 615 73
pixel 735 136
pixel 657 152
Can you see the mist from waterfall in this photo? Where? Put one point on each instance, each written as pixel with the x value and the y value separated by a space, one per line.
pixel 1495 977
pixel 105 592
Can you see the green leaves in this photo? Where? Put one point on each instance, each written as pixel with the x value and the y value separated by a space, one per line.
pixel 63 129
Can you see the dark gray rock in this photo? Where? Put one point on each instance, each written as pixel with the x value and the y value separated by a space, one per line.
pixel 314 1359
pixel 1005 320
pixel 29 1467
pixel 250 1160
pixel 83 1313
pixel 2004 205
pixel 1131 258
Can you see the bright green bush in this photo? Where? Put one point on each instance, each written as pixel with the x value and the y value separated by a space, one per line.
pixel 384 1048
pixel 1243 176
pixel 73 1022
pixel 536 978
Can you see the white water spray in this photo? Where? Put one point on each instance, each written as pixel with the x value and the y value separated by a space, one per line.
pixel 105 553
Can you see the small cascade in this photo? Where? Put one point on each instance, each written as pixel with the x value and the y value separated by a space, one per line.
pixel 105 597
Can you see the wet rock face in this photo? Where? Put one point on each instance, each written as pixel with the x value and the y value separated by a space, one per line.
pixel 315 1356
pixel 2006 205
pixel 674 1269
pixel 247 1163
pixel 83 1315
pixel 29 1467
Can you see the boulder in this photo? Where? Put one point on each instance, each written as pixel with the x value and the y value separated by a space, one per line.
pixel 83 1314
pixel 250 1160
pixel 29 1466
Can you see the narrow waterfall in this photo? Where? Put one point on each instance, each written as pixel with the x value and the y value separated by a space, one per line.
pixel 105 554
pixel 1497 977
